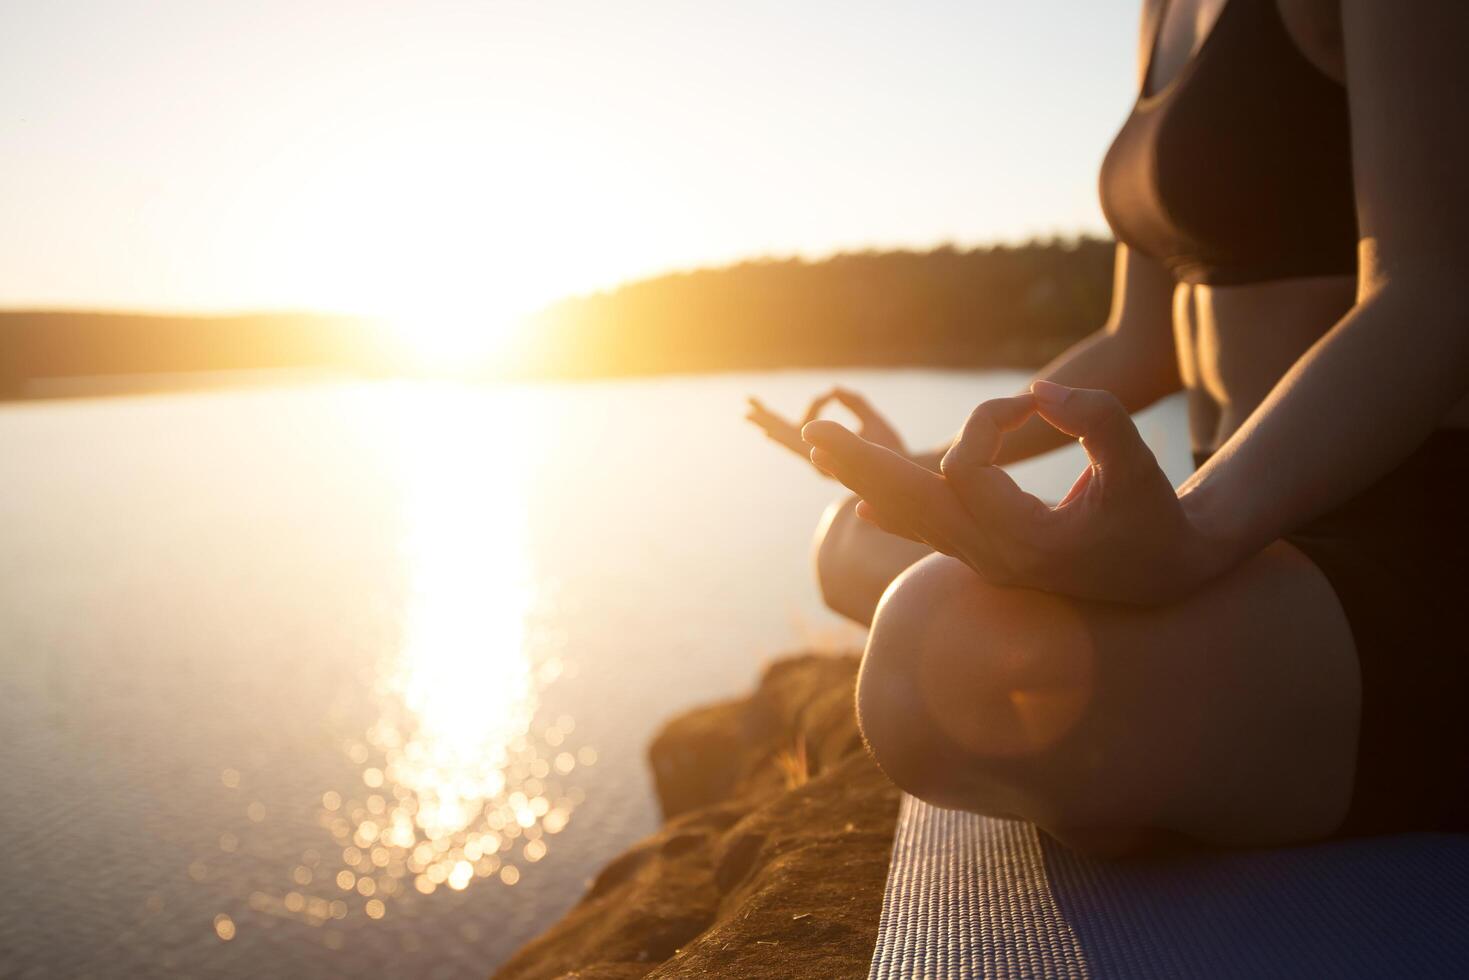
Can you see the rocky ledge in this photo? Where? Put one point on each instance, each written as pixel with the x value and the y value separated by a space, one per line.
pixel 773 853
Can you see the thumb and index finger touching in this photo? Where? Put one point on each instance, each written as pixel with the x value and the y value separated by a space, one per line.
pixel 775 426
pixel 1098 419
pixel 1093 416
pixel 845 397
pixel 992 497
pixel 988 492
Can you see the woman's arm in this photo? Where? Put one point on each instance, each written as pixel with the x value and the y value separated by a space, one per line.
pixel 1378 383
pixel 1132 356
pixel 1356 404
pixel 1362 399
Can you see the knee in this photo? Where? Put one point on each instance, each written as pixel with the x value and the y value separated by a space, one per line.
pixel 965 687
pixel 903 727
pixel 855 561
pixel 831 552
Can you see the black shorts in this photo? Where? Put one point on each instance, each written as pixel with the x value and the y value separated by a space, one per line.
pixel 1397 557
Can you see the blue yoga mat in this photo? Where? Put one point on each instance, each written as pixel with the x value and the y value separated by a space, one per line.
pixel 975 897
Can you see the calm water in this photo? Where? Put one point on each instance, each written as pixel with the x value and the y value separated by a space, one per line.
pixel 357 678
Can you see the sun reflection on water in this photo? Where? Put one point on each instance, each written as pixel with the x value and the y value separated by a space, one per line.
pixel 458 780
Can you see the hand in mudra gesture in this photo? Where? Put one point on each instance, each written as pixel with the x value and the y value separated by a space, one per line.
pixel 1120 533
pixel 871 426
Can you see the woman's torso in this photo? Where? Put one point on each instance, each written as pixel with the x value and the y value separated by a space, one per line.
pixel 1246 312
pixel 1235 342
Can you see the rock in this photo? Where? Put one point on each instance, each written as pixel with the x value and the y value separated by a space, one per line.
pixel 773 856
pixel 802 706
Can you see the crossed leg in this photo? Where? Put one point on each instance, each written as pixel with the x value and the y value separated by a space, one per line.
pixel 1230 716
pixel 856 562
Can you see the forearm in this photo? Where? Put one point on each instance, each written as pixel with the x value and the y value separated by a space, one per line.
pixel 1355 405
pixel 1137 374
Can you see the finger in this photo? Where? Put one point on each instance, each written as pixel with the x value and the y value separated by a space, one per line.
pixel 764 419
pixel 756 405
pixel 857 404
pixel 883 522
pixel 907 495
pixel 875 473
pixel 1099 420
pixel 1003 511
pixel 821 459
pixel 987 492
pixel 813 411
pixel 840 440
pixel 757 412
pixel 759 408
pixel 1077 488
pixel 776 427
pixel 831 466
pixel 944 543
pixel 979 441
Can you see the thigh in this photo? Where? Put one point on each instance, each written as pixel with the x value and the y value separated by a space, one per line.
pixel 1231 715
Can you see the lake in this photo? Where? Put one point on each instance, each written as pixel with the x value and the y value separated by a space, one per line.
pixel 354 678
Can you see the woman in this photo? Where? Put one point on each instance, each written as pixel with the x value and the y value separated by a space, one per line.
pixel 1271 652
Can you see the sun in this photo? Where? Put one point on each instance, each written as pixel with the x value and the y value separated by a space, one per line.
pixel 450 341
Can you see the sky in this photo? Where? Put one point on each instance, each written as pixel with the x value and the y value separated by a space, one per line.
pixel 360 156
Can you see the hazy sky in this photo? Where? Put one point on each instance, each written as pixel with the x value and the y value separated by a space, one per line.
pixel 352 155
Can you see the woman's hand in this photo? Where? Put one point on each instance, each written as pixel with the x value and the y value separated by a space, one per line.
pixel 871 426
pixel 1120 534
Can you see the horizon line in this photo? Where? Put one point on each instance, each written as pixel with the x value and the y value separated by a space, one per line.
pixel 219 313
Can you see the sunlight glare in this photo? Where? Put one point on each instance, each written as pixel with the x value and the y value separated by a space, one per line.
pixel 448 341
pixel 458 778
pixel 463 672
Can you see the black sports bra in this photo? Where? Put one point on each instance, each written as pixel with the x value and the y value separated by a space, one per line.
pixel 1239 170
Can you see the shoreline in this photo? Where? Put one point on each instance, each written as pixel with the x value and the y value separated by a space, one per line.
pixel 772 857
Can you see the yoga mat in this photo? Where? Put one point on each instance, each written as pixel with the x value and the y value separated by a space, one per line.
pixel 976 897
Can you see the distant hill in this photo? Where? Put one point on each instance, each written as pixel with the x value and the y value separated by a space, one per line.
pixel 41 345
pixel 1004 305
pixel 1010 305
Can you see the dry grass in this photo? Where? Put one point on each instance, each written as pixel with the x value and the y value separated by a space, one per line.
pixel 794 764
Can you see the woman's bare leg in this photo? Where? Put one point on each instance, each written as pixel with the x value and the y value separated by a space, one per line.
pixel 855 561
pixel 1230 716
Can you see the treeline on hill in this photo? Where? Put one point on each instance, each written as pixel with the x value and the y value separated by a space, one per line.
pixel 1004 305
pixel 43 345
